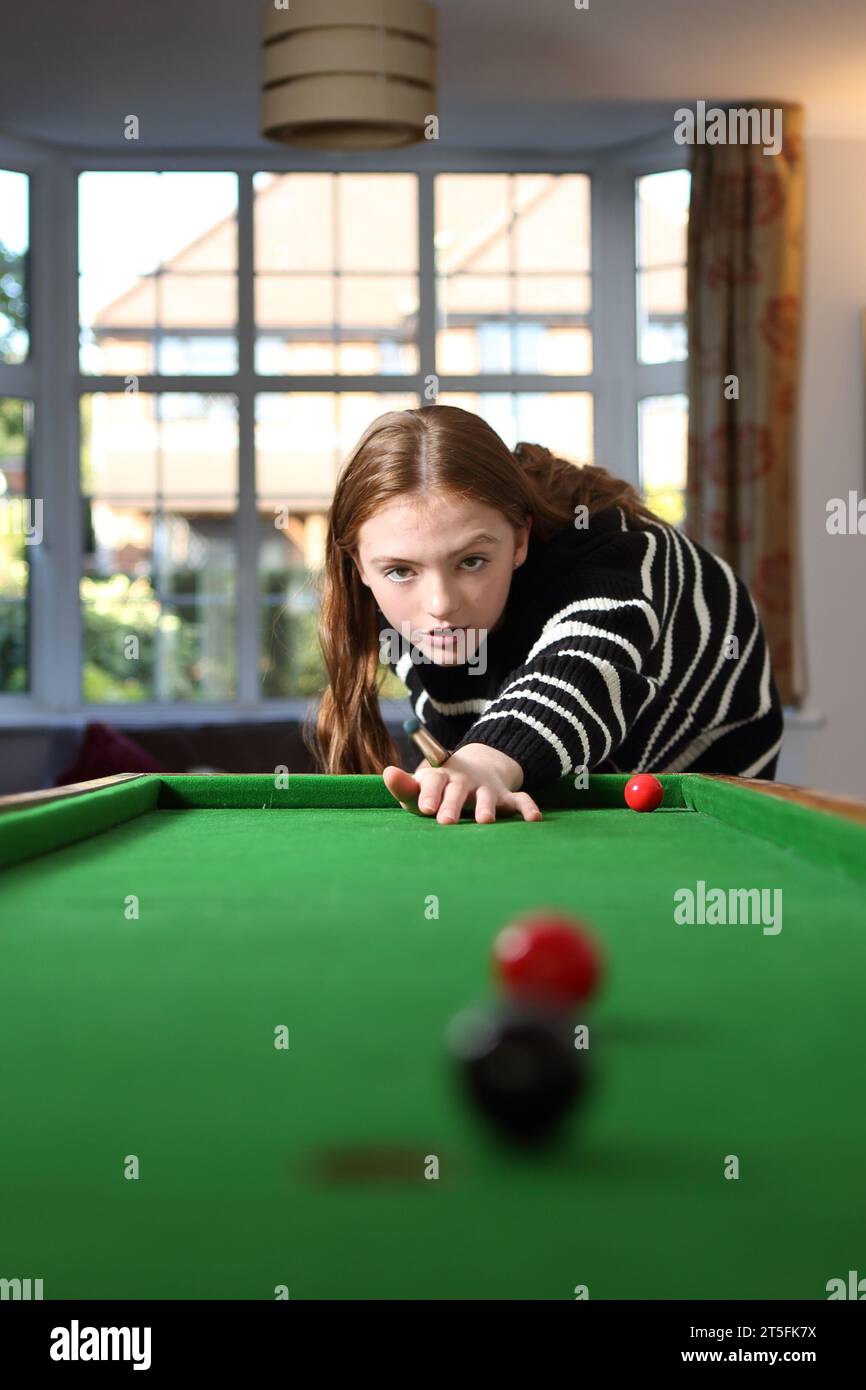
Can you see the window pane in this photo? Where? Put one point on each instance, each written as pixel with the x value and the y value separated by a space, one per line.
pixel 662 438
pixel 563 421
pixel 305 301
pixel 336 287
pixel 118 540
pixel 137 648
pixel 391 302
pixel 197 652
pixel 544 294
pixel 291 553
pixel 196 555
pixel 177 445
pixel 551 229
pixel 663 217
pixel 119 435
pixel 662 212
pixel 301 441
pixel 294 222
pixel 13 647
pixel 205 301
pixel 14 287
pixel 662 315
pixel 291 662
pixel 21 522
pixel 472 201
pixel 177 356
pixel 198 442
pixel 157 253
pixel 514 293
pixel 159 582
pixel 119 618
pixel 377 222
pixel 475 339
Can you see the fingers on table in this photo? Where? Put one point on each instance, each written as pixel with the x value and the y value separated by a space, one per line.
pixel 453 801
pixel 485 805
pixel 432 789
pixel 445 796
pixel 525 805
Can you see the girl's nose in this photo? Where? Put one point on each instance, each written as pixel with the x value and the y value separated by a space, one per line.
pixel 439 603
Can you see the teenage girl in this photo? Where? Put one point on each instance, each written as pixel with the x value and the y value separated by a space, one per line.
pixel 542 619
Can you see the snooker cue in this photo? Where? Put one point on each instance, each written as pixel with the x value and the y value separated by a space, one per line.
pixel 433 751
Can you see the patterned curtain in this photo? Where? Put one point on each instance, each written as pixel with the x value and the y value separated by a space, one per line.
pixel 745 261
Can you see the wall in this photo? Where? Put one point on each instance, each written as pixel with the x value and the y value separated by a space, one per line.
pixel 832 462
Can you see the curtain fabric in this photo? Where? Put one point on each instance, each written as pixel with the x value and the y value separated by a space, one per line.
pixel 745 299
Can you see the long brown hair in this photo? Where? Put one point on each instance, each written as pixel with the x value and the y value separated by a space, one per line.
pixel 437 448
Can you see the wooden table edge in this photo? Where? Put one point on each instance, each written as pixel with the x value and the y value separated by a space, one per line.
pixel 24 801
pixel 833 803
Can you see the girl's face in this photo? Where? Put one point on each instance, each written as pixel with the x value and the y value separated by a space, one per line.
pixel 440 567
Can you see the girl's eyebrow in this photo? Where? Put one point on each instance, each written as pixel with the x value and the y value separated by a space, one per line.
pixel 473 540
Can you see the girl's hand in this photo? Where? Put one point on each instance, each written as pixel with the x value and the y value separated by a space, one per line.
pixel 488 779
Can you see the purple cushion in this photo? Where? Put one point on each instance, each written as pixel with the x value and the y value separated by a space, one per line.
pixel 103 753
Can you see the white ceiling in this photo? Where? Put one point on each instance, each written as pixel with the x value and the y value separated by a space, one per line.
pixel 514 74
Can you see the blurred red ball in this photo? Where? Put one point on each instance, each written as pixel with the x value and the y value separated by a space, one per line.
pixel 549 958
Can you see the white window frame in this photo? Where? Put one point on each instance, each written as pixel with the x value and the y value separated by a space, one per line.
pixel 54 382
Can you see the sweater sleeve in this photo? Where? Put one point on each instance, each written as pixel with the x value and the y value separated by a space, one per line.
pixel 582 685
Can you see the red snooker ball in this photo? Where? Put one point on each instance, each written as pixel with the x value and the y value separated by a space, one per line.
pixel 547 958
pixel 643 792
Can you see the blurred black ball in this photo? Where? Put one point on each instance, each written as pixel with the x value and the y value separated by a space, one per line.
pixel 519 1068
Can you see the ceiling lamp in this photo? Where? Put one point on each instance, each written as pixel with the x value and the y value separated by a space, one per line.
pixel 348 74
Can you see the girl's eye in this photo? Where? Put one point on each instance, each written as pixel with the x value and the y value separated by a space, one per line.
pixel 477 561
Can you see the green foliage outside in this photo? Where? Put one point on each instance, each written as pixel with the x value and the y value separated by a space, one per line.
pixel 291 661
pixel 14 568
pixel 669 503
pixel 14 306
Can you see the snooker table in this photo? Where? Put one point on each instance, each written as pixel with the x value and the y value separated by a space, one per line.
pixel 157 931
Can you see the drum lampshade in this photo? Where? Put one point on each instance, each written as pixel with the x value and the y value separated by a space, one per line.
pixel 348 74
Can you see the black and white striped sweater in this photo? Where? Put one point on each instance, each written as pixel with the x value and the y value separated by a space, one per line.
pixel 621 649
